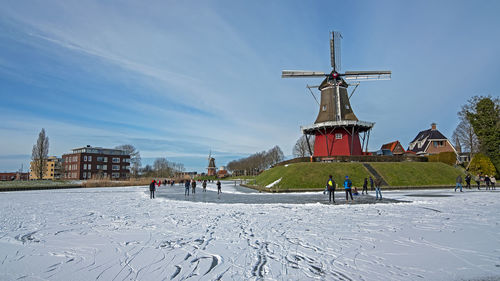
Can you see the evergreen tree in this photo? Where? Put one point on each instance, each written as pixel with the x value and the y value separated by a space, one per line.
pixel 486 123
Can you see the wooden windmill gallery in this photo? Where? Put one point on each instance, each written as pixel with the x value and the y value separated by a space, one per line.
pixel 337 130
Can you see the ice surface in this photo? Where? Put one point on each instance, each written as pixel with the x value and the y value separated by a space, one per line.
pixel 120 234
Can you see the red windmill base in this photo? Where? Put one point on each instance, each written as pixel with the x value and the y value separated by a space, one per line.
pixel 339 138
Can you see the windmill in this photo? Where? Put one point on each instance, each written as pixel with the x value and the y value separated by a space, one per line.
pixel 337 129
pixel 211 169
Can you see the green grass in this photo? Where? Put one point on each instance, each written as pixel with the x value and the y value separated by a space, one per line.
pixel 417 173
pixel 35 183
pixel 314 175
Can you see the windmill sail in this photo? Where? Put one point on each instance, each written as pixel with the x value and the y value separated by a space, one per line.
pixel 335 57
pixel 367 75
pixel 301 73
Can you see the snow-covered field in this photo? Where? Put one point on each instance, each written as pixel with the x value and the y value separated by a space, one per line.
pixel 120 234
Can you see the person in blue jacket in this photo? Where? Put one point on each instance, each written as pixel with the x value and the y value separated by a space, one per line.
pixel 347 187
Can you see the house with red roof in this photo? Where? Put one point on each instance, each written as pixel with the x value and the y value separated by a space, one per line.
pixel 392 148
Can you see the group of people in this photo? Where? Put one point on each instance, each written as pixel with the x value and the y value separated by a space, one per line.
pixel 187 184
pixel 348 188
pixel 490 182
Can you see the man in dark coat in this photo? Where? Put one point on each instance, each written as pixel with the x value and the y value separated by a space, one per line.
pixel 152 188
pixel 365 186
pixel 186 186
pixel 330 186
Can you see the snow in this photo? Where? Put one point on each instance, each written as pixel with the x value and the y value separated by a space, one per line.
pixel 120 234
pixel 273 183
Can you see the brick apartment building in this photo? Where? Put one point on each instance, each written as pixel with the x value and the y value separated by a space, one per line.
pixel 96 163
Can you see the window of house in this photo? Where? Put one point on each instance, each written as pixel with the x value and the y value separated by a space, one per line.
pixel 90 166
pixel 84 175
pixel 99 159
pixel 105 159
pixel 116 167
pixel 116 160
pixel 89 176
pixel 104 167
pixel 85 166
pixel 323 107
pixel 116 175
pixel 90 158
pixel 338 136
pixel 85 158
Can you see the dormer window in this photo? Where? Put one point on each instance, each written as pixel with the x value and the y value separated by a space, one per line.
pixel 324 107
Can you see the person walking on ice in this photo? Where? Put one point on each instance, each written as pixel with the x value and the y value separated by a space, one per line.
pixel 487 181
pixel 186 186
pixel 365 186
pixel 467 181
pixel 193 186
pixel 493 182
pixel 204 185
pixel 347 187
pixel 459 183
pixel 219 190
pixel 330 185
pixel 152 187
pixel 378 183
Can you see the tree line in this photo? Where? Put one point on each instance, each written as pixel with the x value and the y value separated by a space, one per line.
pixel 256 162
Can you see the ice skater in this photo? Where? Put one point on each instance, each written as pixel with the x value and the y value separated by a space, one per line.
pixel 493 182
pixel 347 187
pixel 152 187
pixel 219 187
pixel 371 183
pixel 186 187
pixel 365 186
pixel 330 185
pixel 378 183
pixel 204 185
pixel 477 179
pixel 193 186
pixel 458 183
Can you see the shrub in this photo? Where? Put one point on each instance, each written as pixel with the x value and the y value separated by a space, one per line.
pixel 481 164
pixel 449 158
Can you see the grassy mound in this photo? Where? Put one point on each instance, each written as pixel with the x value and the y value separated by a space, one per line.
pixel 417 173
pixel 304 176
pixel 311 175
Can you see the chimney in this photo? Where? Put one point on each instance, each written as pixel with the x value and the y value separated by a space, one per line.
pixel 433 126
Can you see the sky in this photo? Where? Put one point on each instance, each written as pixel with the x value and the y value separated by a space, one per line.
pixel 178 79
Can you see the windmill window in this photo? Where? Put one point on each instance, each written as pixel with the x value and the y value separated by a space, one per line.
pixel 324 107
pixel 347 107
pixel 338 136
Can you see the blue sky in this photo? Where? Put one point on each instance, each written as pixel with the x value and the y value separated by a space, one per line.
pixel 180 78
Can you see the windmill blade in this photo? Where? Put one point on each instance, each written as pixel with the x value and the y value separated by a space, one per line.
pixel 335 58
pixel 301 73
pixel 367 75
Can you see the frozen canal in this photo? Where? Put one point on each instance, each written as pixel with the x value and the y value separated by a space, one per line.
pixel 120 234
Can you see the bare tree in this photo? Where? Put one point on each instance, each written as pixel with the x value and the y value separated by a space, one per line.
pixel 464 134
pixel 301 148
pixel 39 154
pixel 135 157
pixel 164 168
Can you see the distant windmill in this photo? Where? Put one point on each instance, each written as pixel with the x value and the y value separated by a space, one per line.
pixel 211 169
pixel 337 128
